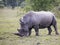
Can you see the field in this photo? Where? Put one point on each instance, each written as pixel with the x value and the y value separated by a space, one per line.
pixel 9 22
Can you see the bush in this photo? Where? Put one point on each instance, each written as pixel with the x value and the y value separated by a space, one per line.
pixel 1 4
pixel 38 5
pixel 27 8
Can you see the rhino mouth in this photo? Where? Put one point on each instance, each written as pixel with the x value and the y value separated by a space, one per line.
pixel 22 34
pixel 19 33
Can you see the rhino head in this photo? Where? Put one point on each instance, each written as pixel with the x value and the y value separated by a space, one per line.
pixel 24 31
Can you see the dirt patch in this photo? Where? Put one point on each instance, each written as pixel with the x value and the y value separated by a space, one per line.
pixel 1 38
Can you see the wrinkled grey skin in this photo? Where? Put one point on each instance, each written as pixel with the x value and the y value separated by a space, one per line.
pixel 37 20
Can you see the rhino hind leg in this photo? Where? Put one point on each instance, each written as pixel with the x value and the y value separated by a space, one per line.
pixel 49 30
pixel 54 23
pixel 55 27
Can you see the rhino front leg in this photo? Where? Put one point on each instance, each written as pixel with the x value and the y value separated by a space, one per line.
pixel 36 30
pixel 49 30
pixel 30 31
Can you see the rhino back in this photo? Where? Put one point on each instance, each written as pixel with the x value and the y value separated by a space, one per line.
pixel 38 18
pixel 42 18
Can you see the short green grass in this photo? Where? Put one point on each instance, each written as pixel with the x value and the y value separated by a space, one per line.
pixel 9 22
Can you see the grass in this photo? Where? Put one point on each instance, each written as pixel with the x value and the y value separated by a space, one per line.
pixel 9 22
